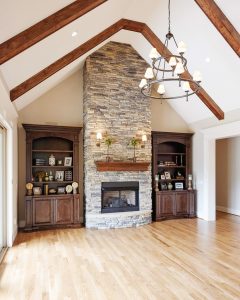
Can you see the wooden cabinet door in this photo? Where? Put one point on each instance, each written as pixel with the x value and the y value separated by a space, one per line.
pixel 42 211
pixel 167 206
pixel 64 210
pixel 157 206
pixel 192 203
pixel 181 199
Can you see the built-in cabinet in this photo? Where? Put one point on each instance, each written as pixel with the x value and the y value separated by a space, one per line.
pixel 173 197
pixel 52 166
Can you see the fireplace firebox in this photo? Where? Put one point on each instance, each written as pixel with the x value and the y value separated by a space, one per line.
pixel 120 196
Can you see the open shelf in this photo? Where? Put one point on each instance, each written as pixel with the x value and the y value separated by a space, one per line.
pixel 52 151
pixel 171 153
pixel 53 182
pixel 175 167
pixel 58 167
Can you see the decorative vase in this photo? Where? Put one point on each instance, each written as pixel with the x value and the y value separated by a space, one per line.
pixel 46 178
pixel 51 160
pixel 170 186
pixel 50 176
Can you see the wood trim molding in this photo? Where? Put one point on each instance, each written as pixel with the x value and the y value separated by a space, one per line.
pixel 221 22
pixel 93 42
pixel 103 166
pixel 44 28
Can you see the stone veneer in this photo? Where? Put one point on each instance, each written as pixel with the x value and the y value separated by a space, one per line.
pixel 114 105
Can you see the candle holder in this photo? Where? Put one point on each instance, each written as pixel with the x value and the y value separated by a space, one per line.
pixel 156 183
pixel 181 160
pixel 190 182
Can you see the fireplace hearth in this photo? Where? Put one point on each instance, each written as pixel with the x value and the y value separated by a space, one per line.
pixel 120 196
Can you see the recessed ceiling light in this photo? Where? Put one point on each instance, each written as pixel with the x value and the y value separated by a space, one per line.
pixel 74 33
pixel 207 59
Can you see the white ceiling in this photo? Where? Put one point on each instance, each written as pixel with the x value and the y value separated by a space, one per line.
pixel 220 76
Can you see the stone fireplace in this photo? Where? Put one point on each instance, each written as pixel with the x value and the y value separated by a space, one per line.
pixel 113 105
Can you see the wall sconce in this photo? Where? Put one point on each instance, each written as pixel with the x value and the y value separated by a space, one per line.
pixel 99 138
pixel 144 139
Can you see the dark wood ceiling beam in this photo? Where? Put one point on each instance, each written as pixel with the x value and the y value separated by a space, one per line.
pixel 44 28
pixel 221 22
pixel 93 42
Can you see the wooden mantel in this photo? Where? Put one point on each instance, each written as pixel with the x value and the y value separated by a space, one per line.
pixel 103 166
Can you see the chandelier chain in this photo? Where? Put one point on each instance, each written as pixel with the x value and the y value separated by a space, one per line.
pixel 169 17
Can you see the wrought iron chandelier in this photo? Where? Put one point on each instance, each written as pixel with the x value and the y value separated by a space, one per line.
pixel 169 67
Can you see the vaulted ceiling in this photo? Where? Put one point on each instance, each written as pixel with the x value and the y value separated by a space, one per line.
pixel 208 49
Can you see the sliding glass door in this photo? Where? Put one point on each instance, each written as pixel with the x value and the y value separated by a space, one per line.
pixel 2 189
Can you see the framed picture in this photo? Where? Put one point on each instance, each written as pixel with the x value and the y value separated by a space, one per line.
pixel 68 175
pixel 67 161
pixel 59 175
pixel 61 189
pixel 163 186
pixel 37 190
pixel 178 185
pixel 163 177
pixel 167 175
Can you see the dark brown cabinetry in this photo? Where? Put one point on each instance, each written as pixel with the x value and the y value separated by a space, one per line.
pixel 174 204
pixel 171 164
pixel 53 206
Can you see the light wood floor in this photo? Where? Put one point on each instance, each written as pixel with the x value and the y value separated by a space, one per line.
pixel 178 259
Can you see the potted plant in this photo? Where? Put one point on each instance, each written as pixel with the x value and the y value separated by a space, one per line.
pixel 40 175
pixel 108 141
pixel 134 142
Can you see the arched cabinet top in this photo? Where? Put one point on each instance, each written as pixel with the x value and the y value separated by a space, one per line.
pixel 35 132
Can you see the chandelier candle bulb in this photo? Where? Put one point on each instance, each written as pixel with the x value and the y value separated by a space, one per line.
pixel 179 68
pixel 149 73
pixel 153 53
pixel 197 76
pixel 142 83
pixel 181 48
pixel 172 62
pixel 186 86
pixel 161 89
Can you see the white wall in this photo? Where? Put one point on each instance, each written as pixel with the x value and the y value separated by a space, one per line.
pixel 8 117
pixel 164 118
pixel 227 175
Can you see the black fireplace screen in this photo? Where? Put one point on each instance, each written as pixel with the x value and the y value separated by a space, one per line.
pixel 120 196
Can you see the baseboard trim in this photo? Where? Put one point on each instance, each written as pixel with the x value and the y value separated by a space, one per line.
pixel 228 210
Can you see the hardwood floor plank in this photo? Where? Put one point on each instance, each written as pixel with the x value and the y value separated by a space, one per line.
pixel 175 259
